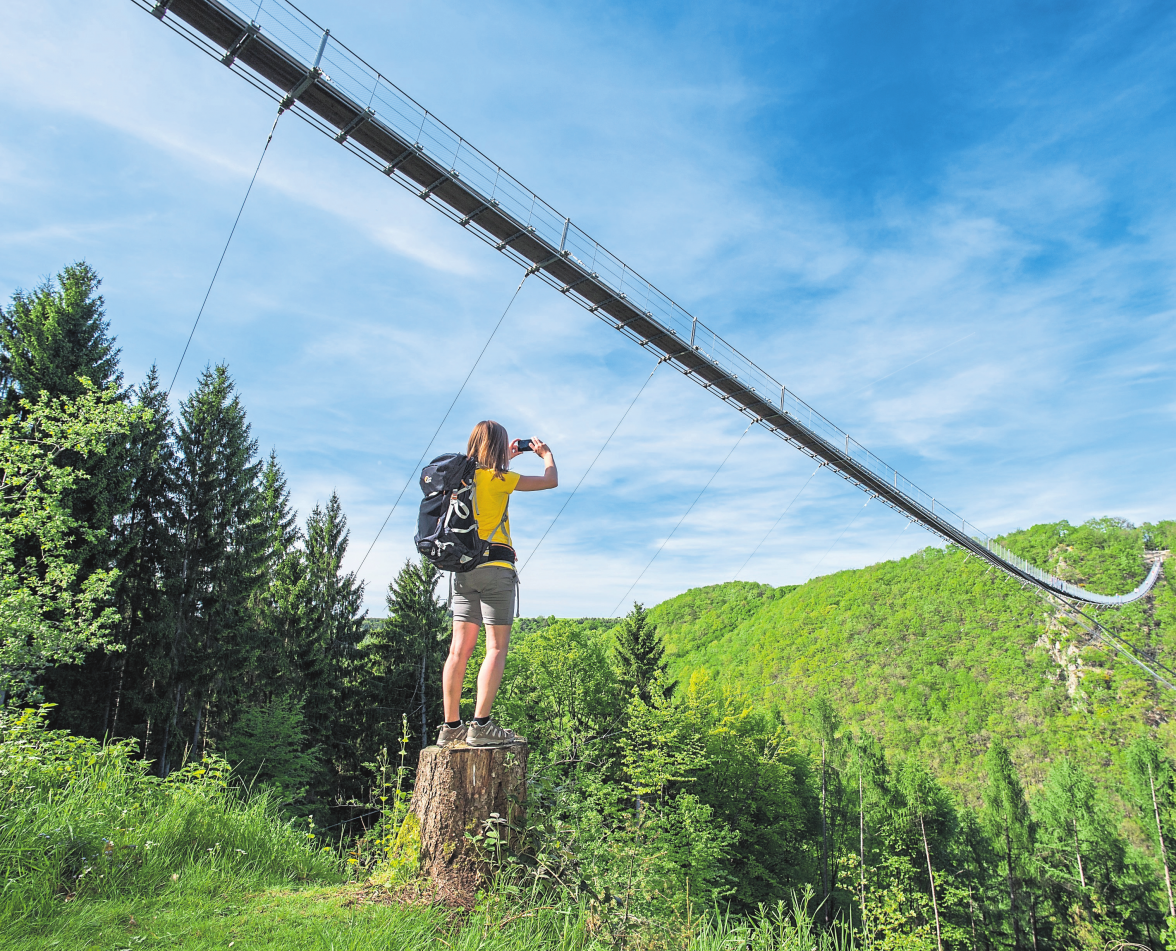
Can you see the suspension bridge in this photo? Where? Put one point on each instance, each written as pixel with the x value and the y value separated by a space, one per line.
pixel 302 67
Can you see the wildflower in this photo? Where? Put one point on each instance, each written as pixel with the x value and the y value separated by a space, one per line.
pixel 175 877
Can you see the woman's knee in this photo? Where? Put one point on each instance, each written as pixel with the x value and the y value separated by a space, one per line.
pixel 497 639
pixel 465 640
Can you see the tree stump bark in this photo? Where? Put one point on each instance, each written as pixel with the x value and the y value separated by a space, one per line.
pixel 463 789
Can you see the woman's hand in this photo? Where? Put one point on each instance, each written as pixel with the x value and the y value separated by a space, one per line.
pixel 550 477
pixel 514 449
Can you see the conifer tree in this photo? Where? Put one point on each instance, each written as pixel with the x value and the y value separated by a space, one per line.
pixel 279 602
pixel 332 626
pixel 1153 782
pixel 1006 819
pixel 222 549
pixel 639 656
pixel 56 334
pixel 146 551
pixel 409 645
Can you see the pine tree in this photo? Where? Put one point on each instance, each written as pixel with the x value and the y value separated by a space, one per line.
pixel 1007 821
pixel 279 602
pixel 399 669
pixel 639 656
pixel 222 551
pixel 56 334
pixel 146 552
pixel 333 619
pixel 1153 781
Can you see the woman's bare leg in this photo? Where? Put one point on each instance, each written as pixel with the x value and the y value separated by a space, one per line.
pixel 465 639
pixel 490 676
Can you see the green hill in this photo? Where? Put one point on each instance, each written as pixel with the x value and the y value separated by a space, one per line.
pixel 939 654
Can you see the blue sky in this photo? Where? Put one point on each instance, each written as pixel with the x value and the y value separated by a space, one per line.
pixel 948 227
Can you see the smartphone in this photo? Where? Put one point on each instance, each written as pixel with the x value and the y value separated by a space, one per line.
pixel 525 445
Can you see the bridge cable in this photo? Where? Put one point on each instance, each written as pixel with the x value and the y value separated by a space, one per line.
pixel 778 521
pixel 1117 642
pixel 591 464
pixel 894 541
pixel 858 515
pixel 413 474
pixel 224 251
pixel 683 518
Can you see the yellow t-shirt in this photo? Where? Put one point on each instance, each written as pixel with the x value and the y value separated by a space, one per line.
pixel 491 494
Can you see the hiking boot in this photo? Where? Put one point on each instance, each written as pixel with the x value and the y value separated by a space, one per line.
pixel 491 734
pixel 451 734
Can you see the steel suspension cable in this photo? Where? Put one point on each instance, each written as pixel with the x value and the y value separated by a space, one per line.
pixel 1117 642
pixel 413 474
pixel 591 464
pixel 858 514
pixel 777 522
pixel 224 251
pixel 683 518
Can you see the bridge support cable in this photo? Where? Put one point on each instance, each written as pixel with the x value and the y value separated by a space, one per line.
pixel 779 519
pixel 415 473
pixel 551 525
pixel 292 59
pixel 1119 645
pixel 224 251
pixel 853 521
pixel 666 540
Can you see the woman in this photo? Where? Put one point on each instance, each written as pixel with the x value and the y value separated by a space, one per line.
pixel 487 593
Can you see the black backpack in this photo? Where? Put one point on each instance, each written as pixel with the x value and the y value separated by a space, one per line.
pixel 447 524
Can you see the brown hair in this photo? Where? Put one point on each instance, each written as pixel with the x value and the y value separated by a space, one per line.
pixel 489 447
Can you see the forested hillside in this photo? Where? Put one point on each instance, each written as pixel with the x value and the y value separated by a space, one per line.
pixel 936 654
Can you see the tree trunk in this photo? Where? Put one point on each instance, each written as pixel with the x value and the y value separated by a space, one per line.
pixel 1078 852
pixel 1012 889
pixel 862 845
pixel 931 875
pixel 461 789
pixel 424 703
pixel 824 837
pixel 1160 832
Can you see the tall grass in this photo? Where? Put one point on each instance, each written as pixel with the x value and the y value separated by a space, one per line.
pixel 82 819
pixel 94 852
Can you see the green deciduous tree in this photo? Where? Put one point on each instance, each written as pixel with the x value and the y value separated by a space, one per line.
pixel 48 615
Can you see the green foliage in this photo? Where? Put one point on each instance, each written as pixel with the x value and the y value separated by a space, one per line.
pixel 50 613
pixel 638 657
pixel 268 747
pixel 84 819
pixel 916 752
pixel 56 336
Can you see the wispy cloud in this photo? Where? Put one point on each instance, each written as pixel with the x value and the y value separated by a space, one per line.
pixel 971 225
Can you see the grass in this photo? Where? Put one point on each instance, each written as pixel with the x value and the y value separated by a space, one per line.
pixel 96 853
pixel 357 918
pixel 313 918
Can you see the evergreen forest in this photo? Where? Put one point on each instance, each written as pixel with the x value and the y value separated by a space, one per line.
pixel 916 754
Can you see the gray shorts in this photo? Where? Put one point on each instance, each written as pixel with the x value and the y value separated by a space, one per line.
pixel 484 595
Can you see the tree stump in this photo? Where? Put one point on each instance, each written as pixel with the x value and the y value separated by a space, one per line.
pixel 462 789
